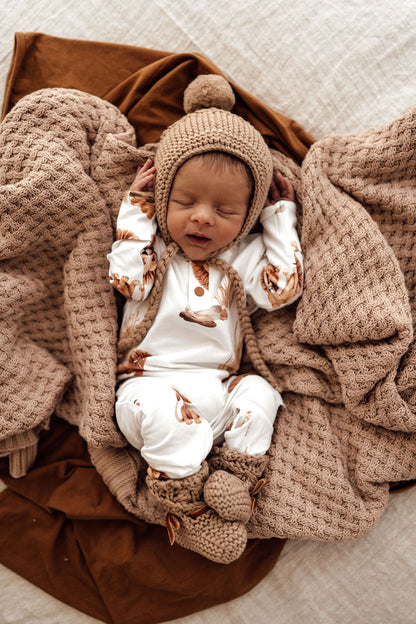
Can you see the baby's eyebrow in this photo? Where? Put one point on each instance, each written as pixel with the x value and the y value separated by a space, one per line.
pixel 182 193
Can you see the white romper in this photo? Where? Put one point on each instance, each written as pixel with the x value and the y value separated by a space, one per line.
pixel 179 391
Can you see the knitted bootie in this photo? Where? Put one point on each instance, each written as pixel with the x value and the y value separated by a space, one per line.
pixel 194 525
pixel 234 483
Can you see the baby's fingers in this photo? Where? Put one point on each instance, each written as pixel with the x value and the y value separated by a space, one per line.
pixel 285 187
pixel 147 165
pixel 144 176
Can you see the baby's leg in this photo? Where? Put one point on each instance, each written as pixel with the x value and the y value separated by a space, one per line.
pixel 161 423
pixel 238 465
pixel 250 411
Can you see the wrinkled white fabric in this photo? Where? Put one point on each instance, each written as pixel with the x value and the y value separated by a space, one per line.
pixel 174 426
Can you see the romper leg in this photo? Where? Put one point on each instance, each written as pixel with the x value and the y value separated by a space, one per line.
pixel 161 423
pixel 237 466
pixel 251 409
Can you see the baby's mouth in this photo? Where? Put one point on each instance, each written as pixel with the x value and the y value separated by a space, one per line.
pixel 197 239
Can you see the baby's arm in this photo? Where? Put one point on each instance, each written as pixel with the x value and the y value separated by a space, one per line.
pixel 133 260
pixel 276 279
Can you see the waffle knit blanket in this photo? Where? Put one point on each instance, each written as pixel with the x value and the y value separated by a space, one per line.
pixel 344 356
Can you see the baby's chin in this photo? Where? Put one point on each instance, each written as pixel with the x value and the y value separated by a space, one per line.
pixel 196 255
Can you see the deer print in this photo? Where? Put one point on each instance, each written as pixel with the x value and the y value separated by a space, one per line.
pixel 201 272
pixel 135 364
pixel 139 199
pixel 217 312
pixel 270 279
pixel 126 235
pixel 123 285
pixel 187 415
pixel 224 296
pixel 233 362
pixel 206 318
pixel 149 259
pixel 235 381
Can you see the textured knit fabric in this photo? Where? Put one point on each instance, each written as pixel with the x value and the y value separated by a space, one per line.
pixel 228 496
pixel 344 356
pixel 231 488
pixel 63 156
pixel 209 125
pixel 212 130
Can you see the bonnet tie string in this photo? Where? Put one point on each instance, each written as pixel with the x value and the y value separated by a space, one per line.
pixel 134 337
pixel 245 321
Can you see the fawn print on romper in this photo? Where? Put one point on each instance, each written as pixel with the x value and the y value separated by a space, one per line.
pixel 135 363
pixel 147 255
pixel 149 259
pixel 139 199
pixel 233 362
pixel 218 312
pixel 270 279
pixel 187 415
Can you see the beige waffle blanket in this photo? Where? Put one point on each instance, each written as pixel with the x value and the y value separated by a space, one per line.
pixel 344 357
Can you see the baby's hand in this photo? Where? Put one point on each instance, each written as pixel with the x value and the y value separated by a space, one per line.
pixel 144 177
pixel 280 188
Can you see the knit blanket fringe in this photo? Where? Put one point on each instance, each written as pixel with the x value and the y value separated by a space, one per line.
pixel 344 356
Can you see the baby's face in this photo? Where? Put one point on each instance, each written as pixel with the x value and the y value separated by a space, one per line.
pixel 207 208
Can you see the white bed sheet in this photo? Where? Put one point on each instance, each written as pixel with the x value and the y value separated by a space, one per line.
pixel 334 66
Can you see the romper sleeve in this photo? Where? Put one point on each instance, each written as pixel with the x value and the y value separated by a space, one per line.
pixel 271 265
pixel 132 260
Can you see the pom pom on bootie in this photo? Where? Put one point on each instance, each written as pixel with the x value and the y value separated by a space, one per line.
pixel 234 483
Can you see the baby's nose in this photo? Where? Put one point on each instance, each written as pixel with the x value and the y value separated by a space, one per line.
pixel 203 213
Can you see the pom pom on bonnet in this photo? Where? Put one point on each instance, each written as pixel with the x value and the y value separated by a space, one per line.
pixel 210 126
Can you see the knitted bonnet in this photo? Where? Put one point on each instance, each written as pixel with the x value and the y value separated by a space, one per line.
pixel 210 126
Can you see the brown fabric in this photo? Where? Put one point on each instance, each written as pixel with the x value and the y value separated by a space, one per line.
pixel 62 530
pixel 146 85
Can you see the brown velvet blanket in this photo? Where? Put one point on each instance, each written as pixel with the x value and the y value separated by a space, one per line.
pixel 61 529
